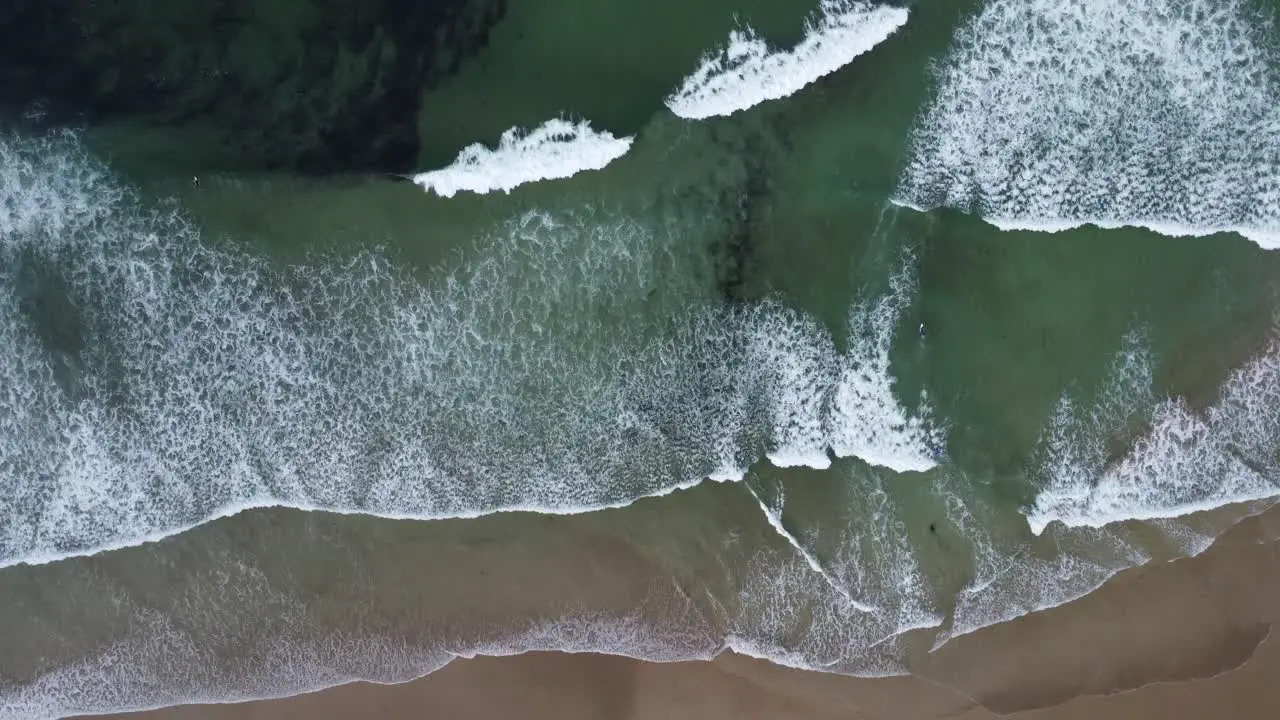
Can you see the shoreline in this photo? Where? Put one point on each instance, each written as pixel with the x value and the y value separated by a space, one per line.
pixel 1188 639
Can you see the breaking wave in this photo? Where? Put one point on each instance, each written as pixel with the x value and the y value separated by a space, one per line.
pixel 555 149
pixel 1189 460
pixel 843 404
pixel 1179 462
pixel 155 382
pixel 746 72
pixel 1053 114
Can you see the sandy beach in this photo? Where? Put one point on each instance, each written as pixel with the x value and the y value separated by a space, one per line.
pixel 1184 639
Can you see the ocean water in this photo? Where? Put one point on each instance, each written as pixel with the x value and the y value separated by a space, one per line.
pixel 819 334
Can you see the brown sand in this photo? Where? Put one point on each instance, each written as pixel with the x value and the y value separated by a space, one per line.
pixel 1173 641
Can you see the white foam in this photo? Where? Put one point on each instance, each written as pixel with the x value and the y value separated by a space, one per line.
pixel 1189 461
pixel 877 559
pixel 1264 239
pixel 1186 462
pixel 210 381
pixel 1051 114
pixel 845 612
pixel 746 72
pixel 284 647
pixel 555 149
pixel 207 386
pixel 789 619
pixel 774 517
pixel 1026 583
pixel 165 663
pixel 842 402
pixel 232 632
pixel 865 419
pixel 798 357
pixel 1016 576
pixel 885 564
pixel 680 635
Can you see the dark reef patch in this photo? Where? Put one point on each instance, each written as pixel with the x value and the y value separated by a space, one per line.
pixel 316 86
pixel 737 256
pixel 745 204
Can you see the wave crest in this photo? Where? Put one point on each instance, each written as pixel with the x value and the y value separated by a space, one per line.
pixel 746 72
pixel 554 150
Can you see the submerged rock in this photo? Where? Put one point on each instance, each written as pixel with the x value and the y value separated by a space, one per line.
pixel 317 86
pixel 736 250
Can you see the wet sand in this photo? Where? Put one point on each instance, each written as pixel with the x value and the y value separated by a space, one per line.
pixel 1185 639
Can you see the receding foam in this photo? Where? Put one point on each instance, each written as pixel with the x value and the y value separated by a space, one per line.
pixel 246 606
pixel 1051 114
pixel 182 382
pixel 555 149
pixel 774 517
pixel 842 612
pixel 1225 458
pixel 746 72
pixel 1190 460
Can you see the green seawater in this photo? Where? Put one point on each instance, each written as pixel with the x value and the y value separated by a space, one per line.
pixel 561 307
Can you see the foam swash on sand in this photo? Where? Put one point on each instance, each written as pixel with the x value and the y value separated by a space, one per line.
pixel 1225 458
pixel 746 72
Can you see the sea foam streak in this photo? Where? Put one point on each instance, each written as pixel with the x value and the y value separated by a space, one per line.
pixel 1183 462
pixel 1051 114
pixel 747 72
pixel 825 401
pixel 553 150
pixel 248 603
pixel 155 382
pixel 1190 460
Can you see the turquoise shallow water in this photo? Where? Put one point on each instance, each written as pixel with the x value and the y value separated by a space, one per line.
pixel 865 426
